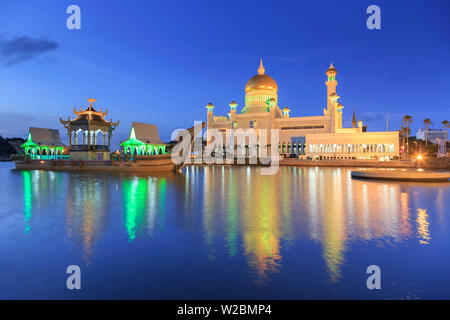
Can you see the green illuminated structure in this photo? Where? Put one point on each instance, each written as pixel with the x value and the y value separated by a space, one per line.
pixel 143 140
pixel 44 144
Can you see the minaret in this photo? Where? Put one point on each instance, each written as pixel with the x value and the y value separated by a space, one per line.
pixel 233 105
pixel 209 120
pixel 209 113
pixel 354 119
pixel 332 97
pixel 340 107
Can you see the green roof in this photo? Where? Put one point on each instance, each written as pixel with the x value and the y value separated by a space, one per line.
pixel 29 142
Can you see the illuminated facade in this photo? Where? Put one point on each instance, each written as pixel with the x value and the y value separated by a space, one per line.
pixel 43 144
pixel 317 137
pixel 86 132
pixel 143 140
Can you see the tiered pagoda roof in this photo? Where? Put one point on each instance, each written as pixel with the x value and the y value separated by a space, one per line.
pixel 89 116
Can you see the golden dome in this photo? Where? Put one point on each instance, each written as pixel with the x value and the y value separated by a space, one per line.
pixel 261 81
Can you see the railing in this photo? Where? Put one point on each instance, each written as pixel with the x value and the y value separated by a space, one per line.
pixel 129 157
pixel 39 157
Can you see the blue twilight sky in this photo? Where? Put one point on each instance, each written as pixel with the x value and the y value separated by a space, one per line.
pixel 161 62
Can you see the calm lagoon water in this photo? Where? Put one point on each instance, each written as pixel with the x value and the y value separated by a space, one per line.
pixel 221 232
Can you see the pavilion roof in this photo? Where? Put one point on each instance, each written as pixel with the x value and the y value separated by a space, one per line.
pixel 84 119
pixel 44 137
pixel 88 116
pixel 145 133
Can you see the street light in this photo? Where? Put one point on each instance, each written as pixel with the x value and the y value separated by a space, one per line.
pixel 419 162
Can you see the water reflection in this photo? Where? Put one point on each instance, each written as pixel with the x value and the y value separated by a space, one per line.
pixel 260 225
pixel 240 214
pixel 27 200
pixel 268 213
pixel 40 190
pixel 144 204
pixel 422 226
pixel 87 208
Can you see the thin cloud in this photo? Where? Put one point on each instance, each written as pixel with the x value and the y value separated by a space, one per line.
pixel 23 48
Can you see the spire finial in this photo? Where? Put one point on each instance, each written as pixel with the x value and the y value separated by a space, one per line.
pixel 91 101
pixel 354 119
pixel 261 69
pixel 331 64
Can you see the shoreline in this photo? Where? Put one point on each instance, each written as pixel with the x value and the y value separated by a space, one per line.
pixel 351 163
pixel 433 164
pixel 443 164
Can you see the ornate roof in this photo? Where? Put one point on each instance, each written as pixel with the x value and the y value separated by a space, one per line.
pixel 89 116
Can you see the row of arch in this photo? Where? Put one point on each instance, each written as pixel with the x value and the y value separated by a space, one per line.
pixel 300 148
pixel 44 152
pixel 351 148
pixel 145 150
pixel 294 148
pixel 248 150
pixel 89 137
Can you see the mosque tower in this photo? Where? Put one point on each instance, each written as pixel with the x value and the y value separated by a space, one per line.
pixel 334 109
pixel 210 109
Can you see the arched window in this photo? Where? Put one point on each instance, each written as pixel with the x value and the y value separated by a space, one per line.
pixel 252 124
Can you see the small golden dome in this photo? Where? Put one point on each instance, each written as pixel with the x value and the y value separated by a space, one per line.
pixel 261 81
pixel 331 70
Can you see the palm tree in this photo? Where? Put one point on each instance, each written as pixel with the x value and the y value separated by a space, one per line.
pixel 446 125
pixel 402 133
pixel 407 120
pixel 426 122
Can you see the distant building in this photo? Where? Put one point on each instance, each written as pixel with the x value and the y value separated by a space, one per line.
pixel 434 135
pixel 43 144
pixel 143 140
pixel 442 150
pixel 317 137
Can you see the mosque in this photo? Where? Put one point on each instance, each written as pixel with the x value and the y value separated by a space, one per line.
pixel 314 137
